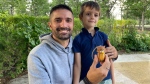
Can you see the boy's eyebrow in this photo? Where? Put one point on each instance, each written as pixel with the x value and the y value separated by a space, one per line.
pixel 91 11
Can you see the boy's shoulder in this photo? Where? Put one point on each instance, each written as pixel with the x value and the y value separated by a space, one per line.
pixel 78 36
pixel 97 30
pixel 101 33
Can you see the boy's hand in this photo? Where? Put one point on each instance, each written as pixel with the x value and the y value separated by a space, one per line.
pixel 111 50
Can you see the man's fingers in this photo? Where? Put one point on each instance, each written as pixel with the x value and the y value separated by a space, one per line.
pixel 106 57
pixel 108 43
pixel 107 62
pixel 95 61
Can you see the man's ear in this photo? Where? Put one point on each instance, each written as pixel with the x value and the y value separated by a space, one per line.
pixel 49 24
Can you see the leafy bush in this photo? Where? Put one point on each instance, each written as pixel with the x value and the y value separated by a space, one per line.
pixel 77 27
pixel 132 41
pixel 19 35
pixel 145 39
pixel 110 27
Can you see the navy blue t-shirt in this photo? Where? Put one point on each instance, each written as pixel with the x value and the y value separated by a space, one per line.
pixel 85 43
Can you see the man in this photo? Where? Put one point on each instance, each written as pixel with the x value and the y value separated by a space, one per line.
pixel 51 62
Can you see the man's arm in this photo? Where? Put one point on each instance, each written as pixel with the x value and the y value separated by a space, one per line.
pixel 96 75
pixel 36 71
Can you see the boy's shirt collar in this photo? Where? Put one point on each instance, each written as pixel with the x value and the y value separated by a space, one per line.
pixel 86 31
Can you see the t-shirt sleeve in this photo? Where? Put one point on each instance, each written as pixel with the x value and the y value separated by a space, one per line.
pixel 105 37
pixel 76 45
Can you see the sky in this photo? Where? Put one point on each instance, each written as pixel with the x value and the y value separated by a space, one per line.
pixel 116 11
pixel 49 0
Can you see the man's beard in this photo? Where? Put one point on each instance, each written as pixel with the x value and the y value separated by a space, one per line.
pixel 61 36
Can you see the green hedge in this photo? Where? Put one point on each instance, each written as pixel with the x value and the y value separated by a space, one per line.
pixel 19 34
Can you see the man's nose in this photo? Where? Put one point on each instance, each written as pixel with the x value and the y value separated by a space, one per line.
pixel 63 24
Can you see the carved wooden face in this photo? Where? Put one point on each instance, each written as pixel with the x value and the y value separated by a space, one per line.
pixel 101 53
pixel 101 48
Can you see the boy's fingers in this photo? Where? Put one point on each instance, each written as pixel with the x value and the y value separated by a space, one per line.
pixel 108 43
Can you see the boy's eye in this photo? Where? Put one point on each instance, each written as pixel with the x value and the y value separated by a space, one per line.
pixel 96 15
pixel 88 14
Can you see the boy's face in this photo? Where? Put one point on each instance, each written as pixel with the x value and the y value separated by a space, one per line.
pixel 90 17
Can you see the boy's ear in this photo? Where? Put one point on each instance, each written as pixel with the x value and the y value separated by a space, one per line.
pixel 80 16
pixel 99 14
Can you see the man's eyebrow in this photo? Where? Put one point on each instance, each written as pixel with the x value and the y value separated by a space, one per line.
pixel 65 18
pixel 58 18
pixel 69 18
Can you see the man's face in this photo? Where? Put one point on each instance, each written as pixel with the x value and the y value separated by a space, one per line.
pixel 61 24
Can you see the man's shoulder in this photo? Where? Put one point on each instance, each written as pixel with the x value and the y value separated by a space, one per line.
pixel 39 49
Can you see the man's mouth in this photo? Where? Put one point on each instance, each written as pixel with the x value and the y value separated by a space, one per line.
pixel 63 29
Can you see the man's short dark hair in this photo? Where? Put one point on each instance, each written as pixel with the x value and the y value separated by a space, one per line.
pixel 60 6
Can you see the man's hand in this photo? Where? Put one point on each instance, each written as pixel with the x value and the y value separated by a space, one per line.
pixel 96 75
pixel 111 50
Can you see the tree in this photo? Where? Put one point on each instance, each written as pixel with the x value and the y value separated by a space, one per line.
pixel 3 6
pixel 106 7
pixel 137 8
pixel 13 6
pixel 21 7
pixel 39 7
pixel 55 2
pixel 8 5
pixel 75 5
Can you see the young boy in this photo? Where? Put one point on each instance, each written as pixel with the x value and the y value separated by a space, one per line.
pixel 85 42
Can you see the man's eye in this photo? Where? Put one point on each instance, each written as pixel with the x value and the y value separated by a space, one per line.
pixel 69 20
pixel 58 20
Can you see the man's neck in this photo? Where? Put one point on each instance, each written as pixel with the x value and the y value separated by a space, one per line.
pixel 64 43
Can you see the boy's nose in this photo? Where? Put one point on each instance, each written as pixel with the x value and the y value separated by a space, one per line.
pixel 92 16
